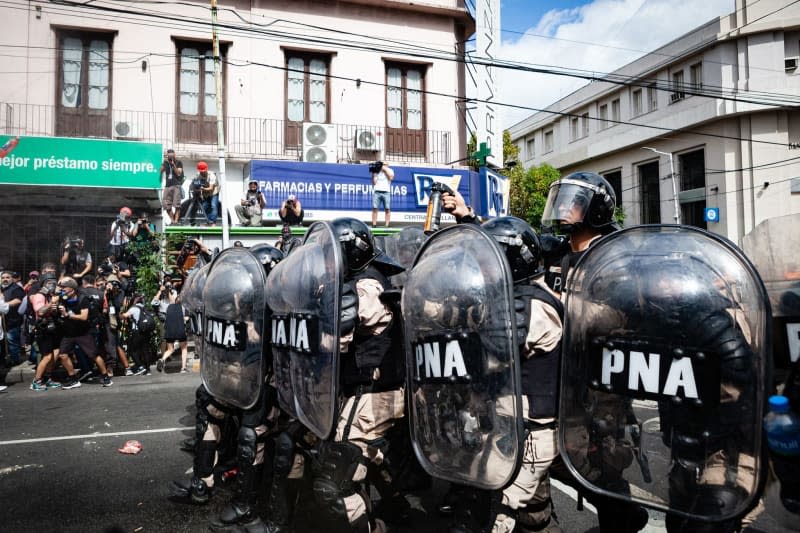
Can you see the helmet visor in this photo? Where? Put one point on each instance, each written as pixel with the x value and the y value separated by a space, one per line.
pixel 567 203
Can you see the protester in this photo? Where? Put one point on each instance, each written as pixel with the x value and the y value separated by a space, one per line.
pixel 174 331
pixel 12 296
pixel 76 260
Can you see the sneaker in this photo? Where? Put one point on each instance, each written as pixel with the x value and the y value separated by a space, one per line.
pixel 128 372
pixel 3 388
pixel 107 382
pixel 160 365
pixel 50 384
pixel 38 385
pixel 139 371
pixel 71 383
pixel 184 370
pixel 147 372
pixel 86 375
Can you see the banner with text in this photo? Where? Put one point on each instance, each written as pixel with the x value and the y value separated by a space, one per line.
pixel 339 189
pixel 79 162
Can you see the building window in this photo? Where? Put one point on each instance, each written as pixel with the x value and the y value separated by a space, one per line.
pixel 692 168
pixel 615 110
pixel 677 87
pixel 603 114
pixel 548 141
pixel 84 85
pixel 573 128
pixel 615 179
pixel 197 93
pixel 636 101
pixel 531 147
pixel 405 109
pixel 696 76
pixel 652 98
pixel 307 93
pixel 649 193
pixel 585 125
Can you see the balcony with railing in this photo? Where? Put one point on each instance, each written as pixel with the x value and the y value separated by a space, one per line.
pixel 245 137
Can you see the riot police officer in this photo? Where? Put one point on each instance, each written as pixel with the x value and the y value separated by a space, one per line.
pixel 249 397
pixel 370 379
pixel 581 206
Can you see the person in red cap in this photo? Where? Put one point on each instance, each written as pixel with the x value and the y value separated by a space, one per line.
pixel 209 190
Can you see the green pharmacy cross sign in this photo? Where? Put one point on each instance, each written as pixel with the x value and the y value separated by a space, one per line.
pixel 481 155
pixel 79 162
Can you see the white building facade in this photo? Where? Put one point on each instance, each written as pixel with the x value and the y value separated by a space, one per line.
pixel 383 80
pixel 717 109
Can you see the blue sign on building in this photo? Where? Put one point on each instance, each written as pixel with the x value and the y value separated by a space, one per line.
pixel 328 190
pixel 712 214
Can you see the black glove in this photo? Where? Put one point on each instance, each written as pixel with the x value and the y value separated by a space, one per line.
pixel 553 246
pixel 349 308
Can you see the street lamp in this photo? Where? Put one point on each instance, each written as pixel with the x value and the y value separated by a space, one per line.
pixel 677 208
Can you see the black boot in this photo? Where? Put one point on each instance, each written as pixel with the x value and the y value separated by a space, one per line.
pixel 194 490
pixel 241 511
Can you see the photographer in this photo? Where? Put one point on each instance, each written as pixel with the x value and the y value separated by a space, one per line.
pixel 287 242
pixel 121 232
pixel 249 208
pixel 209 191
pixel 291 212
pixel 191 253
pixel 114 305
pixel 172 174
pixel 382 177
pixel 76 260
pixel 46 333
pixel 143 241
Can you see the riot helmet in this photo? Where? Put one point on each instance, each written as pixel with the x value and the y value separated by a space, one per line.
pixel 267 255
pixel 358 247
pixel 520 244
pixel 582 199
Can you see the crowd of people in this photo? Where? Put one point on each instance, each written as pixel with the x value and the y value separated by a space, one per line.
pixel 79 321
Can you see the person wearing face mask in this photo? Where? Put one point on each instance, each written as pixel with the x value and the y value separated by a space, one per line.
pixel 13 295
pixel 44 304
pixel 73 310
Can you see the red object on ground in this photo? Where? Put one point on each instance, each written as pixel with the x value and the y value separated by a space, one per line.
pixel 131 447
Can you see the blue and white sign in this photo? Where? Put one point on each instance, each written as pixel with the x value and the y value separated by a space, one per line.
pixel 330 190
pixel 712 214
pixel 494 193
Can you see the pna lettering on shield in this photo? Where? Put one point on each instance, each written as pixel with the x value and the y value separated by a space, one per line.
pixel 223 333
pixel 644 373
pixel 442 359
pixel 292 331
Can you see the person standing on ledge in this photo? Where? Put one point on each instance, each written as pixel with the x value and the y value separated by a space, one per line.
pixel 382 177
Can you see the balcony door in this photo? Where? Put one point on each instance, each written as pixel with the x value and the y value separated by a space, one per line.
pixel 83 95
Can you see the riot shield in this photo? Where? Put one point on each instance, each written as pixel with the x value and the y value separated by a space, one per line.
pixel 303 292
pixel 773 247
pixel 462 364
pixel 234 309
pixel 403 247
pixel 192 300
pixel 665 364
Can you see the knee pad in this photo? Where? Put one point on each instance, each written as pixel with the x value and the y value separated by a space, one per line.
pixel 246 449
pixel 284 454
pixel 535 516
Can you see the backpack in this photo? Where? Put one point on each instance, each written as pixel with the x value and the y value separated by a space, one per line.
pixel 146 323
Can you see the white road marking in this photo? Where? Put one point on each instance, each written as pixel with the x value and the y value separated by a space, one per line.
pixel 93 435
pixel 17 468
pixel 572 493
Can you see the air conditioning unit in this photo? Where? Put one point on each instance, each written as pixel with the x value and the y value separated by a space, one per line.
pixel 674 97
pixel 319 143
pixel 126 130
pixel 789 64
pixel 369 139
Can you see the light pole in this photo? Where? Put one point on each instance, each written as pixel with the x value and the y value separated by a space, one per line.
pixel 677 207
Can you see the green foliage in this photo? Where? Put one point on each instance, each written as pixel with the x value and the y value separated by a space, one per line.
pixel 148 266
pixel 529 190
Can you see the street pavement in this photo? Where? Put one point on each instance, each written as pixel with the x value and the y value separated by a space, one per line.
pixel 60 468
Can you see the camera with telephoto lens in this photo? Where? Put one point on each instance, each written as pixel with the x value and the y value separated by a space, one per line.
pixel 196 186
pixel 189 247
pixel 375 167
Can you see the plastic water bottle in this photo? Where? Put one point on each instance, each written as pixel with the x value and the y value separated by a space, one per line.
pixel 783 438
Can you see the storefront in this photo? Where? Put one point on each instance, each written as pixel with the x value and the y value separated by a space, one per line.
pixel 58 187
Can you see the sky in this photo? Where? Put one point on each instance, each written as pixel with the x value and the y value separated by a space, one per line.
pixel 598 35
